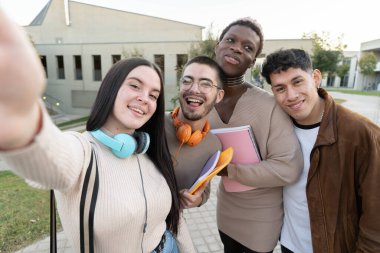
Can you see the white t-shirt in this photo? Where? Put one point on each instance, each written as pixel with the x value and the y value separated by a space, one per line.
pixel 295 234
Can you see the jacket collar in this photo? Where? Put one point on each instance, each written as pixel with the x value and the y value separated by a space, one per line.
pixel 327 134
pixel 327 131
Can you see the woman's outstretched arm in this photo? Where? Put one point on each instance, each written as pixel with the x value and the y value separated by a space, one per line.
pixel 22 81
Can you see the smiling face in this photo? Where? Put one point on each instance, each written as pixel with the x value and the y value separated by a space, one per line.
pixel 136 101
pixel 195 104
pixel 236 52
pixel 295 91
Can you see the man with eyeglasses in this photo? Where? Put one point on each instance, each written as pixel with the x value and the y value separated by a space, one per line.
pixel 187 126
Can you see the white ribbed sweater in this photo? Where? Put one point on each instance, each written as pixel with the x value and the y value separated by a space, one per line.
pixel 59 160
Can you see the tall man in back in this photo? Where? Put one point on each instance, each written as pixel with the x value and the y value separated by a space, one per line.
pixel 334 206
pixel 200 89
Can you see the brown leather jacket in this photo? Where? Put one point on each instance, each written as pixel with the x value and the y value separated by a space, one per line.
pixel 343 187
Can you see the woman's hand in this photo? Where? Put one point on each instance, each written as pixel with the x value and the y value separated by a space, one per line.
pixel 22 81
pixel 189 200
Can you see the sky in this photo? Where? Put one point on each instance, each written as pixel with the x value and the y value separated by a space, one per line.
pixel 357 21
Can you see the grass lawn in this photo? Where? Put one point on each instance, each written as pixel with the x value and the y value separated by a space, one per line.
pixel 355 92
pixel 24 210
pixel 339 100
pixel 73 123
pixel 24 213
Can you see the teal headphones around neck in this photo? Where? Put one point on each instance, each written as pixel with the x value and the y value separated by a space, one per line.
pixel 124 145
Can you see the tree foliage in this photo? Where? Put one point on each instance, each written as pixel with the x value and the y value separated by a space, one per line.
pixel 342 70
pixel 206 46
pixel 327 53
pixel 134 52
pixel 367 63
pixel 256 72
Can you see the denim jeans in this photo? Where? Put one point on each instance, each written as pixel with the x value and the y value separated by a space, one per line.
pixel 170 245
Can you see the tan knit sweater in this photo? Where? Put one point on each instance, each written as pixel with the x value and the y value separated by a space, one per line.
pixel 59 160
pixel 254 217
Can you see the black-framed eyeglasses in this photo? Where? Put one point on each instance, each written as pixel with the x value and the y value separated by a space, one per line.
pixel 204 85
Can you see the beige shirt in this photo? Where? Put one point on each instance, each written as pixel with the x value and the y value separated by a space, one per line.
pixel 254 217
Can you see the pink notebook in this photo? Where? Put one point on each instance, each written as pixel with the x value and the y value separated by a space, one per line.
pixel 242 140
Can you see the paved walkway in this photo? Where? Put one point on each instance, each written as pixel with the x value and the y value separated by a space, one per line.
pixel 202 221
pixel 368 106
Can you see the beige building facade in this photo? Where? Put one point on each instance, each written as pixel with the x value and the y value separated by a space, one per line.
pixel 79 42
pixel 369 82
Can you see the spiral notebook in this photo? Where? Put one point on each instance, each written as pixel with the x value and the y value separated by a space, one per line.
pixel 242 140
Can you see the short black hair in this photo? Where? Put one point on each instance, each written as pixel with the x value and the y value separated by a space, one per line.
pixel 250 23
pixel 202 59
pixel 283 59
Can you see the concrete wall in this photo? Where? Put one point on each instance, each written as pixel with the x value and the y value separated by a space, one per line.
pixel 95 30
pixel 369 82
pixel 272 45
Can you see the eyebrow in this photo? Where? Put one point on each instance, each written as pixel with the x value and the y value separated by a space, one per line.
pixel 247 41
pixel 291 80
pixel 200 79
pixel 277 85
pixel 296 77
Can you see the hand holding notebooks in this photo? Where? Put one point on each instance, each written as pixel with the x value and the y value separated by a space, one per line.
pixel 214 164
pixel 242 140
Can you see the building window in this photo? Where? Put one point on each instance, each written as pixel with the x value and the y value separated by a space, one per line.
pixel 60 67
pixel 97 67
pixel 330 81
pixel 347 61
pixel 116 58
pixel 78 67
pixel 344 82
pixel 181 61
pixel 159 59
pixel 44 63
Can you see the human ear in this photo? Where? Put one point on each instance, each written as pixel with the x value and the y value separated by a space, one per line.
pixel 317 77
pixel 216 47
pixel 219 96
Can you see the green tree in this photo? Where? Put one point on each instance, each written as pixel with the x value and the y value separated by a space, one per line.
pixel 327 53
pixel 367 65
pixel 206 46
pixel 134 52
pixel 342 70
pixel 256 72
